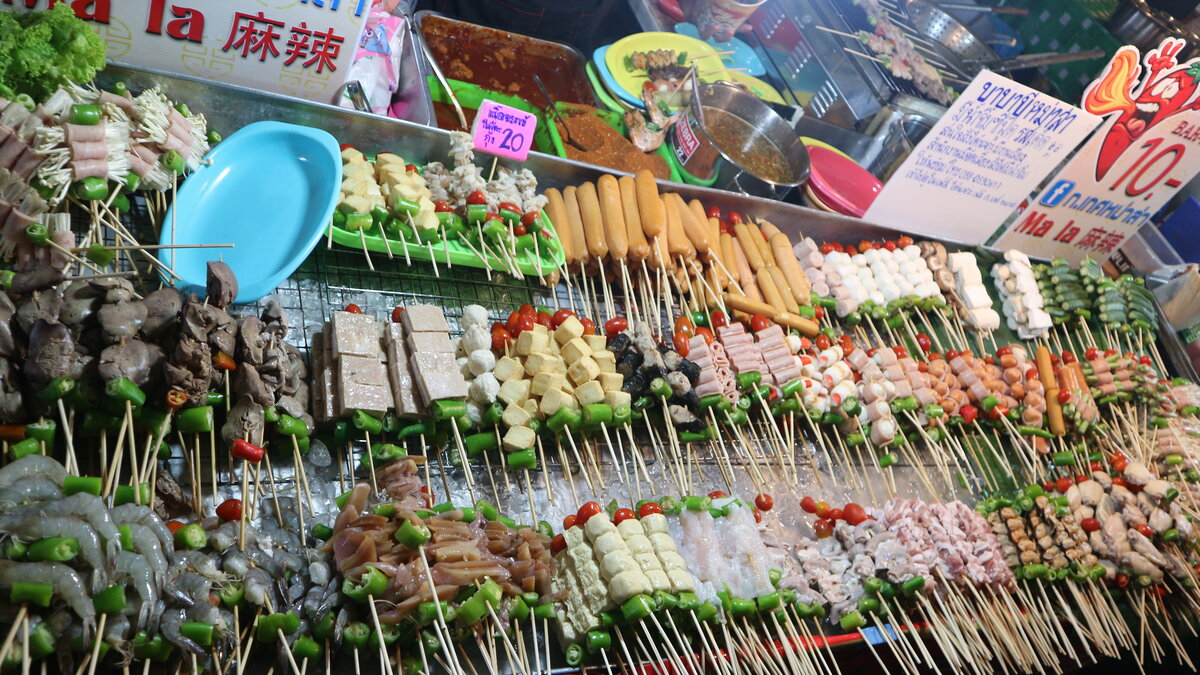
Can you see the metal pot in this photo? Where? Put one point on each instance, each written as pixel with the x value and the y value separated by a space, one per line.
pixel 706 161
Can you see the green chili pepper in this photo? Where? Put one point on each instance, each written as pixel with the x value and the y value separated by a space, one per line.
pixel 1064 458
pixel 290 426
pixel 365 421
pixel 110 600
pixel 769 602
pixel 372 583
pixel 355 635
pixel 124 494
pixel 126 534
pixel 412 536
pixel 748 379
pixel 888 459
pixel 444 410
pixel 565 417
pixel 58 388
pixel 912 587
pixel 123 389
pixel 34 593
pixel 53 549
pixel 697 503
pixel 232 593
pixel 87 114
pixel 481 442
pixel 191 536
pixel 522 459
pixel 574 654
pixel 15 549
pixel 89 484
pixel 852 620
pixel 706 612
pixel 636 608
pixel 91 189
pixel 173 161
pixel 598 641
pixel 596 414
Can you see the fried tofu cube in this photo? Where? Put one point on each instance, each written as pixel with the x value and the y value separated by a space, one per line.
pixel 606 360
pixel 531 406
pixel 567 386
pixel 544 382
pixel 575 349
pixel 515 415
pixel 598 343
pixel 508 368
pixel 618 397
pixel 519 438
pixel 424 319
pixel 539 363
pixel 556 365
pixel 530 342
pixel 583 370
pixel 553 348
pixel 553 400
pixel 568 330
pixel 589 393
pixel 611 381
pixel 514 391
pixel 539 328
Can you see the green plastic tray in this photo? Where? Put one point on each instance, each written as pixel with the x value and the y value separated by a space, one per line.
pixel 552 255
pixel 612 119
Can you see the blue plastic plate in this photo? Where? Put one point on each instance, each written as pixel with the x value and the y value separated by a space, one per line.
pixel 743 55
pixel 270 191
pixel 607 79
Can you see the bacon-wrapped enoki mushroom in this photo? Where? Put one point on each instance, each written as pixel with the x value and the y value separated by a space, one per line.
pixel 84 146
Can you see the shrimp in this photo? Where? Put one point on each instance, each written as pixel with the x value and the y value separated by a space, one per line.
pixel 86 506
pixel 128 514
pixel 236 563
pixel 29 490
pixel 169 625
pixel 137 571
pixel 66 582
pixel 258 585
pixel 146 543
pixel 44 528
pixel 32 466
pixel 203 563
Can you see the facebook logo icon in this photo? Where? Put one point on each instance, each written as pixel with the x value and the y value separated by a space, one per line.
pixel 1057 193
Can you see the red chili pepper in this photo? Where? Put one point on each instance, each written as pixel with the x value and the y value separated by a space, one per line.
pixel 174 526
pixel 176 398
pixel 224 361
pixel 244 450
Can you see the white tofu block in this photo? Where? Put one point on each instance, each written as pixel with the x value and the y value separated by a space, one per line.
pixel 515 415
pixel 430 342
pixel 437 377
pixel 362 384
pixel 583 370
pixel 531 406
pixel 539 328
pixel 589 393
pixel 539 363
pixel 514 391
pixel 424 319
pixel 508 368
pixel 596 342
pixel 616 398
pixel 518 438
pixel 611 381
pixel 606 360
pixel 568 330
pixel 575 349
pixel 976 296
pixel 355 335
pixel 544 382
pixel 530 341
pixel 553 400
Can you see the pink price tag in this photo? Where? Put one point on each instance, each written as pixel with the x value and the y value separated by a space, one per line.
pixel 502 130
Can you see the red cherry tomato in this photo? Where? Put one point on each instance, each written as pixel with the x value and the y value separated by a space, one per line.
pixel 230 510
pixel 819 313
pixel 764 502
pixel 513 323
pixel 526 310
pixel 558 544
pixel 1054 360
pixel 520 231
pixel 1091 353
pixel 901 352
pixel 1109 352
pixel 823 342
pixel 622 515
pixel 759 322
pixel 442 207
pixel 1120 480
pixel 951 354
pixel 1089 524
pixel 1048 486
pixel 614 326
pixel 864 246
pixel 854 514
pixel 826 248
pixel 991 361
pixel 569 521
pixel 1004 351
pixel 734 218
pixel 904 241
pixel 1068 357
pixel 477 197
pixel 713 212
pixel 822 510
pixel 397 312
pixel 717 494
pixel 823 528
pixel 726 229
pixel 809 505
pixel 684 325
pixel 1120 464
pixel 525 323
pixel 174 525
pixel 346 146
pixel 509 206
pixel 1145 530
pixel 924 342
pixel 1064 396
pixel 648 508
pixel 529 217
pixel 935 356
pixel 889 245
pixel 1031 375
pixel 586 511
pixel 353 308
pixel 1122 580
pixel 1063 484
pixel 543 319
pixel 680 342
pixel 1079 478
pixel 969 413
pixel 560 316
pixel 1146 361
pixel 717 319
pixel 500 338
pixel 835 514
pixel 707 334
pixel 589 326
pixel 1095 466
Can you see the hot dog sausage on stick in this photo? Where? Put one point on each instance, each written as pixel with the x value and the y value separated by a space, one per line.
pixel 745 274
pixel 556 211
pixel 614 217
pixel 677 241
pixel 770 292
pixel 749 246
pixel 730 273
pixel 787 263
pixel 593 222
pixel 1054 411
pixel 639 249
pixel 807 327
pixel 578 254
pixel 700 222
pixel 785 290
pixel 650 207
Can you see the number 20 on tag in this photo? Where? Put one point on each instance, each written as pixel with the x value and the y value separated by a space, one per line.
pixel 503 130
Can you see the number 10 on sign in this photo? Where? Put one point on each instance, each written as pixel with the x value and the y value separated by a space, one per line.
pixel 503 130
